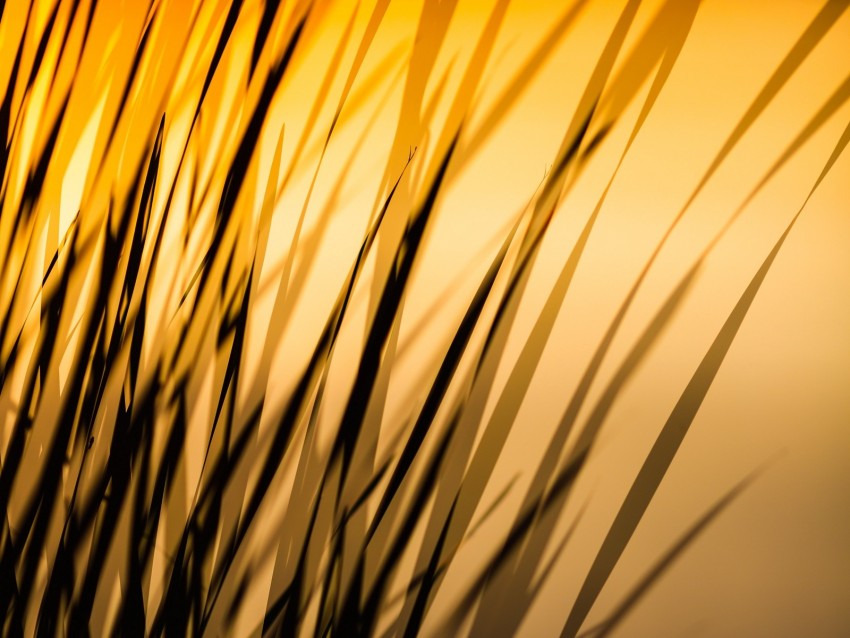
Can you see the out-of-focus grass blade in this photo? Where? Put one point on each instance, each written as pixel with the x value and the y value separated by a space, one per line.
pixel 673 433
pixel 666 561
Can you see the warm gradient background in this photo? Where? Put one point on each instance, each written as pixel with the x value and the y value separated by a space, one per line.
pixel 776 562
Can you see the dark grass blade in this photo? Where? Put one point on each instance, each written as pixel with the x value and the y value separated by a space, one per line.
pixel 109 487
pixel 664 449
pixel 670 556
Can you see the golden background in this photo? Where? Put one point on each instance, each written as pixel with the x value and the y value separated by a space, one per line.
pixel 715 120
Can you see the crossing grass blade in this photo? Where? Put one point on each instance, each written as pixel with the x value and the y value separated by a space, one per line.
pixel 176 458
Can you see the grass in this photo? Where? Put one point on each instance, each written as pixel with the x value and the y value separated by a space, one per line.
pixel 153 467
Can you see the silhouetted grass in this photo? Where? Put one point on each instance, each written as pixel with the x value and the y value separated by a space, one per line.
pixel 107 528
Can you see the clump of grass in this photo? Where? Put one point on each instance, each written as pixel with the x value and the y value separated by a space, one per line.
pixel 116 520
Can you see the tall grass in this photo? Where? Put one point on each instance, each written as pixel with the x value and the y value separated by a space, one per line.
pixel 156 466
